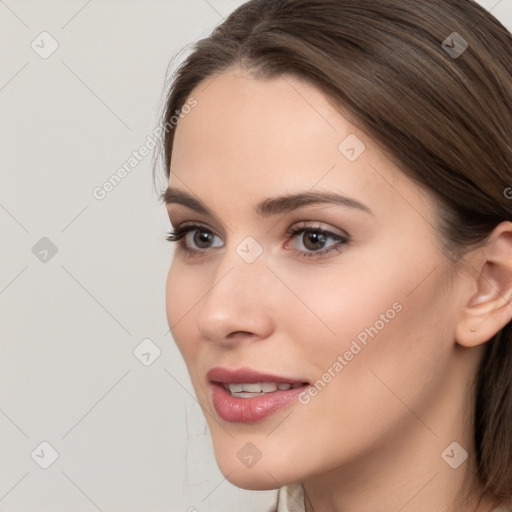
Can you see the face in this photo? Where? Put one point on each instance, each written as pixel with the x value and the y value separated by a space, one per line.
pixel 325 310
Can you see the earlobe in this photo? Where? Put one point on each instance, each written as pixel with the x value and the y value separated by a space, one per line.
pixel 489 309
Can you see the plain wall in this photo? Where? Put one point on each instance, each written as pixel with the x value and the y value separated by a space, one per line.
pixel 71 320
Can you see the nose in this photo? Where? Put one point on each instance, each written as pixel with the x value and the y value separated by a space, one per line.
pixel 238 303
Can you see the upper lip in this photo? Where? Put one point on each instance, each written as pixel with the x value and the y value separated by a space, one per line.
pixel 245 375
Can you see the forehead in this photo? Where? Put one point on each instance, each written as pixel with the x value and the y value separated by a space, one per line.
pixel 257 137
pixel 243 114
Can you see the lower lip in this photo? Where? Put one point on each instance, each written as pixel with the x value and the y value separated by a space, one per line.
pixel 250 410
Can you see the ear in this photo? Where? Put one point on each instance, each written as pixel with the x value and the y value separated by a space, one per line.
pixel 489 308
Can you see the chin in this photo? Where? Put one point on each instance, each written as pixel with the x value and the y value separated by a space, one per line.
pixel 254 474
pixel 252 479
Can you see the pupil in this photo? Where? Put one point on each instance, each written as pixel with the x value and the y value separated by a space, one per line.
pixel 203 237
pixel 315 237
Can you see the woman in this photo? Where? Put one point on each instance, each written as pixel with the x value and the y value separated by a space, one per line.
pixel 340 191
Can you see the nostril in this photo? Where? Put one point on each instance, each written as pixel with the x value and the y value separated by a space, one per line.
pixel 236 334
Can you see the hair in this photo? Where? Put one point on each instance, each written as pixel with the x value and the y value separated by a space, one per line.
pixel 444 119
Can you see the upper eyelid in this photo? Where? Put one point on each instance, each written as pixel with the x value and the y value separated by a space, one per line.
pixel 190 223
pixel 198 223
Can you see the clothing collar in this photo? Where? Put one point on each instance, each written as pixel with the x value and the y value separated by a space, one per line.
pixel 290 498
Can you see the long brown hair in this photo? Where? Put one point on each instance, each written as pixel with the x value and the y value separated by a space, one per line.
pixel 441 111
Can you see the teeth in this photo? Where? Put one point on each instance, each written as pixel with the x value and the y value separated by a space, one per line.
pixel 247 395
pixel 268 387
pixel 248 390
pixel 254 387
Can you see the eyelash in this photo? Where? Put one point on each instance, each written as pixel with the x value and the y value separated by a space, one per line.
pixel 178 234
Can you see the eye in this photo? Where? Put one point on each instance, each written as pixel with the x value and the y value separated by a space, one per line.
pixel 315 240
pixel 196 233
pixel 195 239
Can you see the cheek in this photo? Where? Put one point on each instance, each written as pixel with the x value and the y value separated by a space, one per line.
pixel 395 343
pixel 378 288
pixel 336 312
pixel 392 325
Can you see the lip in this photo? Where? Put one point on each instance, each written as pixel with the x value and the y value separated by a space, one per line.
pixel 249 410
pixel 246 376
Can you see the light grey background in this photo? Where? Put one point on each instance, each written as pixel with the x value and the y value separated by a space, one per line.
pixel 70 322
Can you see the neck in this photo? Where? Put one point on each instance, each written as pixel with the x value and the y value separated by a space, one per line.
pixel 427 488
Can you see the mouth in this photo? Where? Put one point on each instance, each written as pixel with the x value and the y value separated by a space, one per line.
pixel 252 389
pixel 248 396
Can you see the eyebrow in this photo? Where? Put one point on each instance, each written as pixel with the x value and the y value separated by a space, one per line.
pixel 270 206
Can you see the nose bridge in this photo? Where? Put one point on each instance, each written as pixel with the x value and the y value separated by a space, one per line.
pixel 238 298
pixel 243 268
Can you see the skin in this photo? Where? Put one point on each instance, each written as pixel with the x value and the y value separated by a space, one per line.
pixel 372 439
